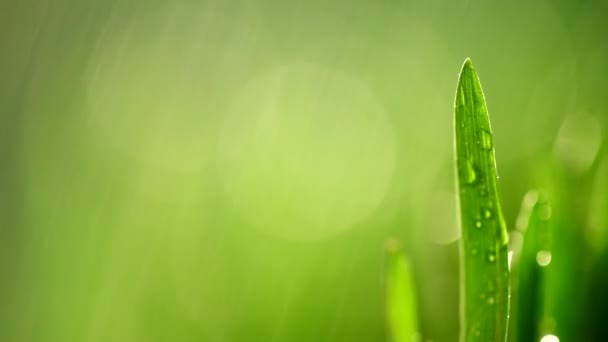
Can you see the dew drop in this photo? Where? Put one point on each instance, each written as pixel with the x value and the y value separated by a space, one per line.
pixel 549 338
pixel 491 300
pixel 543 258
pixel 478 224
pixel 486 140
pixel 462 101
pixel 487 213
pixel 491 256
pixel 469 175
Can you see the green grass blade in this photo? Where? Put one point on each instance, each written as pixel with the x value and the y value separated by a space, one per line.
pixel 401 308
pixel 485 273
pixel 535 255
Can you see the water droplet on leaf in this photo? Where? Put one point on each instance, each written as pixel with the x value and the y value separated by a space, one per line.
pixel 549 338
pixel 469 175
pixel 543 258
pixel 462 101
pixel 486 140
pixel 491 256
pixel 487 213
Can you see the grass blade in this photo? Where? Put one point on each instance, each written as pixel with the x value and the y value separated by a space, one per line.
pixel 401 308
pixel 535 255
pixel 484 264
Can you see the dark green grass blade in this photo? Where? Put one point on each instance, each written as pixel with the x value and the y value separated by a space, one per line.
pixel 534 257
pixel 401 309
pixel 484 274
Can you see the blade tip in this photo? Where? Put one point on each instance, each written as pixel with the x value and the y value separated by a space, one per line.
pixel 467 63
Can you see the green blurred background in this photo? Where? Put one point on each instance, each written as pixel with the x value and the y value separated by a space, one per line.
pixel 231 170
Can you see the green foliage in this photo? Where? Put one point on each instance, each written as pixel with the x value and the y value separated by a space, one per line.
pixel 229 170
pixel 484 264
pixel 401 308
pixel 531 256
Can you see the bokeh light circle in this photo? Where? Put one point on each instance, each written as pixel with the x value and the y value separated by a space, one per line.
pixel 306 152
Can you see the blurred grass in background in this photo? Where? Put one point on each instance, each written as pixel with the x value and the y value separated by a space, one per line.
pixel 230 170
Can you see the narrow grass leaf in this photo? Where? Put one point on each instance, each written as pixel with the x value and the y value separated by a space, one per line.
pixel 401 308
pixel 597 232
pixel 484 259
pixel 528 311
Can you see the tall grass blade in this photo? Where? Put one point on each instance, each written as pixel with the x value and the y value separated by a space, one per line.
pixel 401 307
pixel 484 259
pixel 528 309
